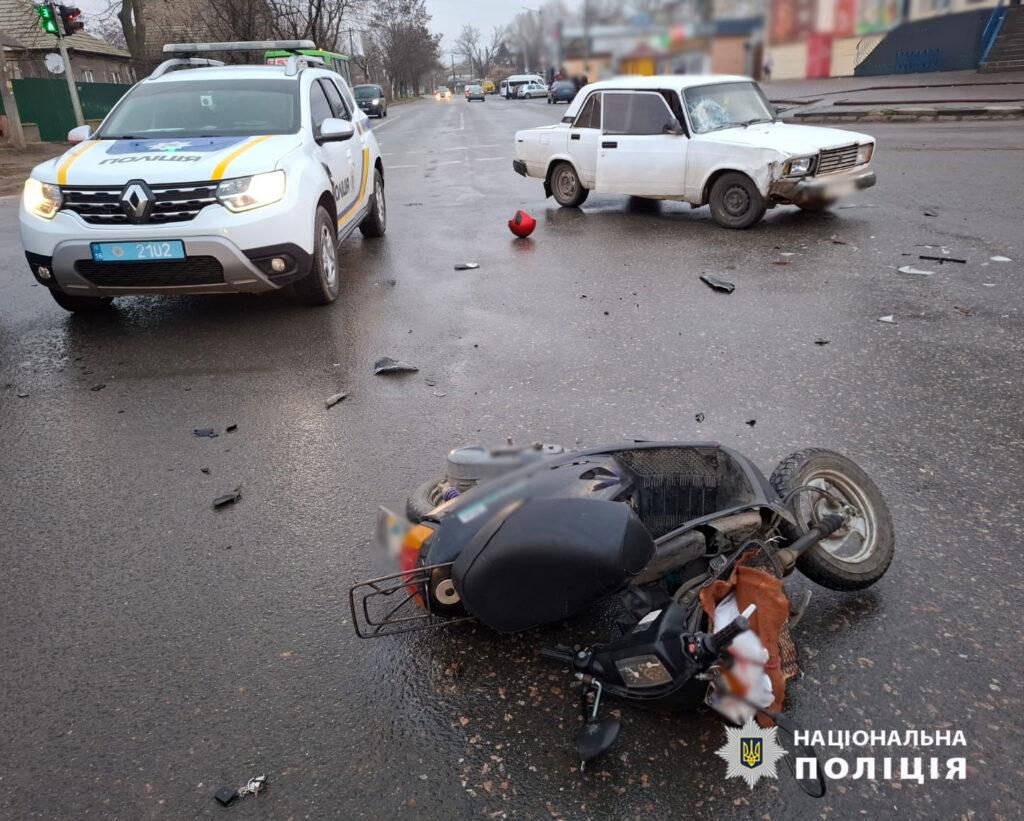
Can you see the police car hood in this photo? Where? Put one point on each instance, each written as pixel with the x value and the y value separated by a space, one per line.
pixel 186 159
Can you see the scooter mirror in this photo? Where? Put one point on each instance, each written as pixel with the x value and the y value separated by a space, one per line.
pixel 595 737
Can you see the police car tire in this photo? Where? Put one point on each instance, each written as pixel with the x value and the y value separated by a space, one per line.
pixel 734 186
pixel 373 224
pixel 315 288
pixel 81 304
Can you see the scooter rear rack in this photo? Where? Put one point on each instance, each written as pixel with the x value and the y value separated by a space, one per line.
pixel 397 603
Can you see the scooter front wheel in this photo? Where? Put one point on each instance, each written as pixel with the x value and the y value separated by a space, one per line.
pixel 822 482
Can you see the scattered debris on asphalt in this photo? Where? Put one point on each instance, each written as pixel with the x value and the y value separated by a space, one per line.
pixel 888 320
pixel 430 381
pixel 331 401
pixel 751 422
pixel 699 417
pixel 467 266
pixel 522 224
pixel 787 253
pixel 386 283
pixel 205 470
pixel 964 311
pixel 780 262
pixel 909 269
pixel 227 498
pixel 930 214
pixel 942 259
pixel 231 428
pixel 98 387
pixel 226 795
pixel 439 394
pixel 386 365
pixel 1000 259
pixel 716 284
pixel 209 433
pixel 837 241
pixel 857 205
pixel 821 341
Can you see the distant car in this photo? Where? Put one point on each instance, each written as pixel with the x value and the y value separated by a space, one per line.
pixel 475 93
pixel 488 86
pixel 562 91
pixel 512 84
pixel 443 93
pixel 370 98
pixel 712 140
pixel 530 90
pixel 503 88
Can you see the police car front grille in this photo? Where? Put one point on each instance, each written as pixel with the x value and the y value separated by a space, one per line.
pixel 189 271
pixel 176 202
pixel 837 159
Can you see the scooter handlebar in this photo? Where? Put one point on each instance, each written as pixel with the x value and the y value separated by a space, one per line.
pixel 719 642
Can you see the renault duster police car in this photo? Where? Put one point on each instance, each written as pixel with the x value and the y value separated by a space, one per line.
pixel 712 140
pixel 207 178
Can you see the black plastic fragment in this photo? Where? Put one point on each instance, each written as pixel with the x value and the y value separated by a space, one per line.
pixel 209 433
pixel 699 417
pixel 227 498
pixel 388 365
pixel 942 259
pixel 225 795
pixel 231 428
pixel 717 284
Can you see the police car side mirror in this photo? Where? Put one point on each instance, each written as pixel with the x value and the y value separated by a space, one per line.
pixel 333 130
pixel 80 134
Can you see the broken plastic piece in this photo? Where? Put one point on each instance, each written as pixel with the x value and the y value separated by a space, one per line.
pixel 942 259
pixel 388 365
pixel 227 498
pixel 467 266
pixel 331 401
pixel 1000 259
pixel 209 433
pixel 98 387
pixel 699 417
pixel 717 284
pixel 231 428
pixel 888 320
pixel 930 214
pixel 22 394
pixel 821 341
pixel 225 795
pixel 751 422
pixel 909 269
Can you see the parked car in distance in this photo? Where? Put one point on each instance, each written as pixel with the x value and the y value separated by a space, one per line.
pixel 475 93
pixel 711 140
pixel 370 98
pixel 562 91
pixel 513 83
pixel 443 93
pixel 530 90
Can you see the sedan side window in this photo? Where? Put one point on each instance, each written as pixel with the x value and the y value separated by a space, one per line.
pixel 639 113
pixel 319 108
pixel 590 114
pixel 334 98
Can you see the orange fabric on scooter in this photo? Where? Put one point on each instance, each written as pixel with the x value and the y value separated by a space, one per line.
pixel 753 586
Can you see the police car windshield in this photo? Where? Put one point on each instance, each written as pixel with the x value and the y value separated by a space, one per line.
pixel 205 108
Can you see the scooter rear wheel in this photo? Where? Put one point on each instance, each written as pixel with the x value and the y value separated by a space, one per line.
pixel 857 555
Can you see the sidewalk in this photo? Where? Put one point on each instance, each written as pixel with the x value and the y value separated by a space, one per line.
pixel 935 95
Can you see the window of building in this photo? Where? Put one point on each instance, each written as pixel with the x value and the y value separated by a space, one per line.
pixel 88 76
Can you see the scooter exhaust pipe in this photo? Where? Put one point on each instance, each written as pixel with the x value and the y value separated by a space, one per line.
pixel 828 525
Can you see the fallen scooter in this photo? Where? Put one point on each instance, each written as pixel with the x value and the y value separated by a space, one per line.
pixel 519 537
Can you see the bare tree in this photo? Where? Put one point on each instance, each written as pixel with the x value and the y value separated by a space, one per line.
pixel 526 37
pixel 408 49
pixel 479 54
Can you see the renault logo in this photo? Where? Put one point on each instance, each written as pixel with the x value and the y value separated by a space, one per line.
pixel 135 200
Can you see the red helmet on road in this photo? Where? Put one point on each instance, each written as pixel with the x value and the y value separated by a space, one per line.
pixel 522 224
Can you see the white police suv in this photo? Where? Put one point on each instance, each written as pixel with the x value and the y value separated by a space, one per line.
pixel 208 178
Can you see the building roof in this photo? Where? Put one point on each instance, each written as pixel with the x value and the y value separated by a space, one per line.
pixel 19 20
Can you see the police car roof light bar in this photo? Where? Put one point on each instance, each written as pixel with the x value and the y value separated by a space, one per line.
pixel 247 45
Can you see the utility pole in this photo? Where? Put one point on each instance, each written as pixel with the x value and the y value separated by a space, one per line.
pixel 72 88
pixel 452 53
pixel 17 136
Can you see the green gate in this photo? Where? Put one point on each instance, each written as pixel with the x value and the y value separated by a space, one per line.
pixel 47 103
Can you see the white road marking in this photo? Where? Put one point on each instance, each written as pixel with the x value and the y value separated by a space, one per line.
pixel 393 167
pixel 483 159
pixel 462 121
pixel 448 162
pixel 382 122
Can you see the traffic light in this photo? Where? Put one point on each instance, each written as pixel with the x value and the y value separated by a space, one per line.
pixel 47 19
pixel 69 19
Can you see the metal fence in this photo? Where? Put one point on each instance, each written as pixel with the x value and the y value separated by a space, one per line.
pixel 47 103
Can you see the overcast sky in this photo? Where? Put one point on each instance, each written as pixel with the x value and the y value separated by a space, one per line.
pixel 451 15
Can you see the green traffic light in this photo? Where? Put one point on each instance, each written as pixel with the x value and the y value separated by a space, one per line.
pixel 46 19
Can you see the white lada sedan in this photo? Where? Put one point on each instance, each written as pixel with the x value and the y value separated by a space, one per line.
pixel 706 140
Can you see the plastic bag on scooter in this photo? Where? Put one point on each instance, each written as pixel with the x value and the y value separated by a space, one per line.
pixel 746 676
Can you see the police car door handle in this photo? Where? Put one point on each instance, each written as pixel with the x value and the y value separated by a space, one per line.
pixel 609 144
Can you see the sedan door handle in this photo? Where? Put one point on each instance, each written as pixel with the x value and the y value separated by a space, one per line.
pixel 608 144
pixel 574 136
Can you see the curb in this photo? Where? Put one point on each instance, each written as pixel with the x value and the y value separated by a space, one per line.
pixel 910 114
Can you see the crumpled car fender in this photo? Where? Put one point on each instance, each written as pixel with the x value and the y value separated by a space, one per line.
pixel 706 160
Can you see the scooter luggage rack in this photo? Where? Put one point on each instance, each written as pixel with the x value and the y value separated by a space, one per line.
pixel 392 618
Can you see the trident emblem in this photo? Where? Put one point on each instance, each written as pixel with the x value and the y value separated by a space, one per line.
pixel 751 750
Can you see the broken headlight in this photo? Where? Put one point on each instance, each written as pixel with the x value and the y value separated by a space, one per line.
pixel 798 167
pixel 41 198
pixel 245 193
pixel 864 152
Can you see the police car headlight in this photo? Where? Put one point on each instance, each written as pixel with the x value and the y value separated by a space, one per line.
pixel 41 198
pixel 798 166
pixel 246 193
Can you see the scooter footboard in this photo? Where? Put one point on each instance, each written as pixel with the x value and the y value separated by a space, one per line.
pixel 397 603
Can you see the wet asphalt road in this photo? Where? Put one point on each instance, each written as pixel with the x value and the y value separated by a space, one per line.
pixel 154 650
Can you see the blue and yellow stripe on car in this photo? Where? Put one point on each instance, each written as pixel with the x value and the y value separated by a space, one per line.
pixel 364 175
pixel 222 166
pixel 62 169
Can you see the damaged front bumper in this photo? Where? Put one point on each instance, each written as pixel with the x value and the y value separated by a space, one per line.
pixel 811 190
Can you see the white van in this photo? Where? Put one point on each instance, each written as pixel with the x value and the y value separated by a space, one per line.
pixel 511 85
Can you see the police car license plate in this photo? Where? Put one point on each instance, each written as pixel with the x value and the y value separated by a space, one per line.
pixel 138 251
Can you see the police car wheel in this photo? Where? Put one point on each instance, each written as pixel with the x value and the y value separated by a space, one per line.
pixel 322 284
pixel 376 220
pixel 81 304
